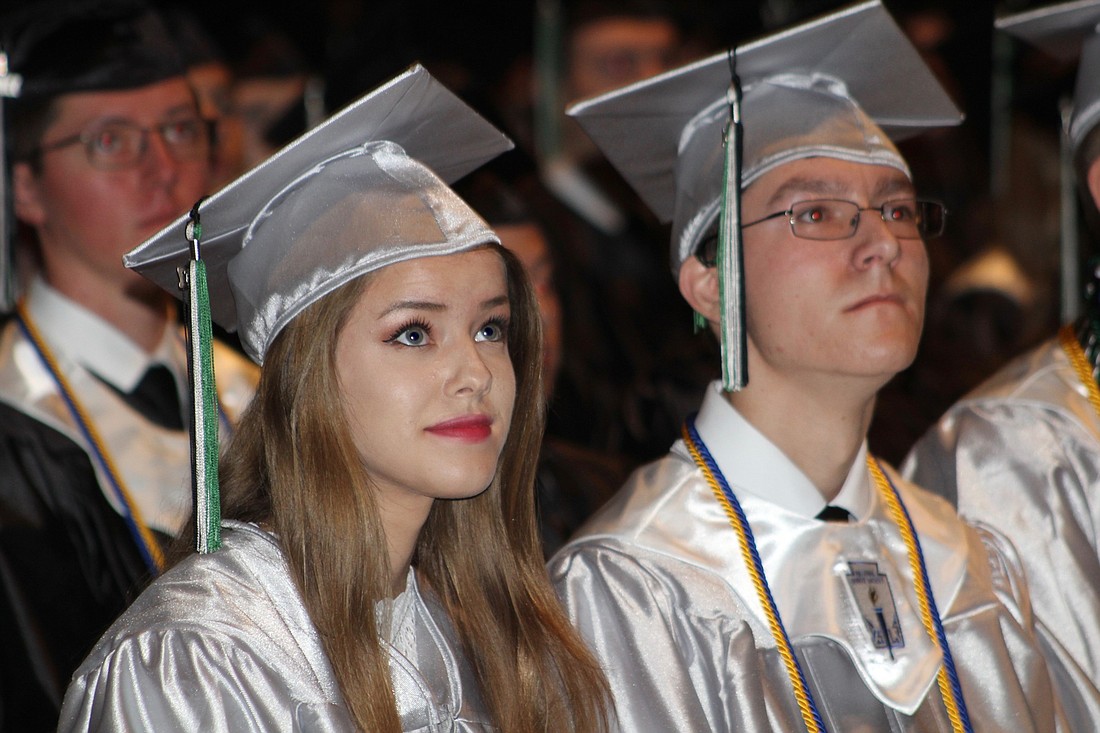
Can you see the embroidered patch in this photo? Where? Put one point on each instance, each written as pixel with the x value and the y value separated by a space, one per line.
pixel 876 605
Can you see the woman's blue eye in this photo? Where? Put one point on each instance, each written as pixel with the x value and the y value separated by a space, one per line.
pixel 411 336
pixel 492 331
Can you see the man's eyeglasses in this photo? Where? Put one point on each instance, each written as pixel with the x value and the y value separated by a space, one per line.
pixel 118 144
pixel 826 219
pixel 832 219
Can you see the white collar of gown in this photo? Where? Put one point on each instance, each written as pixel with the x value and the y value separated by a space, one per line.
pixel 823 574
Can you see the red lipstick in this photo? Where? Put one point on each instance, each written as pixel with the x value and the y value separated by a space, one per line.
pixel 471 428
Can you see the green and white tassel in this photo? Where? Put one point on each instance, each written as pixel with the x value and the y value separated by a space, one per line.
pixel 204 395
pixel 731 269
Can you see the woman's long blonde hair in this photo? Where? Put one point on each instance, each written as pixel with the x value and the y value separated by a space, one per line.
pixel 292 463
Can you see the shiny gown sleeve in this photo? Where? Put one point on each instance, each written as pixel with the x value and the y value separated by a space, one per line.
pixel 1031 470
pixel 191 680
pixel 671 665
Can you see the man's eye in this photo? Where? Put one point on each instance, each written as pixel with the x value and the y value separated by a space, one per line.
pixel 817 214
pixel 109 140
pixel 182 131
pixel 901 212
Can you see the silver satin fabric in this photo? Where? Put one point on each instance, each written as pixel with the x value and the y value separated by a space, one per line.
pixel 657 585
pixel 346 216
pixel 154 462
pixel 787 117
pixel 1022 454
pixel 222 642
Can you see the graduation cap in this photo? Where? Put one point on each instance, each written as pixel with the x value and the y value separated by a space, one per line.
pixel 366 189
pixel 1067 31
pixel 689 140
pixel 57 47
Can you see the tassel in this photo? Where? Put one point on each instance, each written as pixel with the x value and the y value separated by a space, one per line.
pixel 731 269
pixel 10 86
pixel 204 395
pixel 698 322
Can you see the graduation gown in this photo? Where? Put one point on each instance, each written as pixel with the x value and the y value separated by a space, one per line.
pixel 1021 454
pixel 657 585
pixel 68 563
pixel 222 642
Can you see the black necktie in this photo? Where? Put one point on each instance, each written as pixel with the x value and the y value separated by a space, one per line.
pixel 155 397
pixel 834 514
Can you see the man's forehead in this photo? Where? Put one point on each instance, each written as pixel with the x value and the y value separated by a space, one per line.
pixel 170 96
pixel 821 176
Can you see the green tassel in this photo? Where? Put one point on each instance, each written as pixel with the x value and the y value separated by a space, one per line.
pixel 731 270
pixel 204 457
pixel 698 322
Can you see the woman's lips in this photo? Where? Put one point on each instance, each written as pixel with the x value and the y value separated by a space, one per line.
pixel 473 428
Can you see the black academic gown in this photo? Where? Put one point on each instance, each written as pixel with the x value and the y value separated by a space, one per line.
pixel 68 567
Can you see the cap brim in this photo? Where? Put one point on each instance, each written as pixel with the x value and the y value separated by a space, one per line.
pixel 862 45
pixel 451 140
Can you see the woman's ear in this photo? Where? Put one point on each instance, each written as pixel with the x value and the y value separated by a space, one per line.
pixel 699 286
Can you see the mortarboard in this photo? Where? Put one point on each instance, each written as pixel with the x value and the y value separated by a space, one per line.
pixel 363 163
pixel 841 86
pixel 57 47
pixel 366 189
pixel 1067 31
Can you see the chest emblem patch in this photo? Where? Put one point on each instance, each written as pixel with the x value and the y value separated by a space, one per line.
pixel 875 600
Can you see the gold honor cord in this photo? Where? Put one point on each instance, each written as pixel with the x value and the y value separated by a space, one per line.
pixel 1080 364
pixel 755 569
pixel 947 677
pixel 147 543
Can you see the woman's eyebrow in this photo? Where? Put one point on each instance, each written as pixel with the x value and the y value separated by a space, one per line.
pixel 419 305
pixel 428 305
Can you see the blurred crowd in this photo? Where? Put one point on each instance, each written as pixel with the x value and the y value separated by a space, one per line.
pixel 629 365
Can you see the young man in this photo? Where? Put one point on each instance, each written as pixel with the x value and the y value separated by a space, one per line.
pixel 106 147
pixel 1021 453
pixel 768 574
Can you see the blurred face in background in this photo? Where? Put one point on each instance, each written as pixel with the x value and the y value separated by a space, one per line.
pixel 87 214
pixel 529 244
pixel 612 52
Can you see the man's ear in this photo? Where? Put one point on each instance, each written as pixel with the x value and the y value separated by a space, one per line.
pixel 26 194
pixel 699 286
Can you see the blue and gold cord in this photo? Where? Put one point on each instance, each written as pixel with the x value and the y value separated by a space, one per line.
pixel 947 677
pixel 753 564
pixel 147 544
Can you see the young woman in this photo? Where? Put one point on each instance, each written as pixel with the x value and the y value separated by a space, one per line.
pixel 380 567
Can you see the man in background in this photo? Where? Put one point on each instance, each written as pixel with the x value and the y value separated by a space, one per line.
pixel 105 146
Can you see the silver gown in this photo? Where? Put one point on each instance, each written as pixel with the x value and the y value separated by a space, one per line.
pixel 222 642
pixel 1022 454
pixel 657 585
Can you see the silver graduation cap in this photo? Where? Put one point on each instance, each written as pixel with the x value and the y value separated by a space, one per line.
pixel 366 189
pixel 363 190
pixel 1067 31
pixel 841 86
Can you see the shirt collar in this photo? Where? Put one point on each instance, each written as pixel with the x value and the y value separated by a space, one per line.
pixel 96 345
pixel 753 464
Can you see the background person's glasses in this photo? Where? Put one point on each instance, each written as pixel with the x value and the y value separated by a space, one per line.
pixel 117 144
